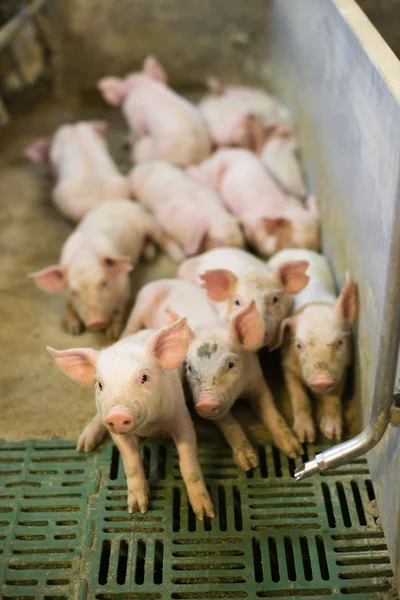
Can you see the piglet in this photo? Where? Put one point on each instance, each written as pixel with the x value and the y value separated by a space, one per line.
pixel 279 157
pixel 231 123
pixel 265 107
pixel 271 220
pixel 95 262
pixel 189 212
pixel 233 278
pixel 139 393
pixel 164 125
pixel 86 174
pixel 317 345
pixel 221 363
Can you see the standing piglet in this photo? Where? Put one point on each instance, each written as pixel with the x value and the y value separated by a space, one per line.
pixel 234 277
pixel 278 156
pixel 189 212
pixel 265 107
pixel 138 393
pixel 317 345
pixel 164 125
pixel 95 262
pixel 231 123
pixel 86 174
pixel 221 363
pixel 271 220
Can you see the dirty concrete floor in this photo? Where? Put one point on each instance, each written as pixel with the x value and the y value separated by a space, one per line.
pixel 36 400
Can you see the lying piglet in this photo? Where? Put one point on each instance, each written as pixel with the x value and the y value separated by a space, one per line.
pixel 234 277
pixel 86 173
pixel 271 220
pixel 230 123
pixel 190 213
pixel 279 157
pixel 222 366
pixel 138 393
pixel 164 125
pixel 221 363
pixel 265 107
pixel 95 262
pixel 317 345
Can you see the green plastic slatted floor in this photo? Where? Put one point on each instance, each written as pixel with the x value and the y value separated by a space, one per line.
pixel 65 532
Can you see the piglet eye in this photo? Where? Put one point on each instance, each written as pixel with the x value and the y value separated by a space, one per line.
pixel 100 385
pixel 103 283
pixel 189 369
pixel 144 378
pixel 231 364
pixel 339 343
pixel 237 302
pixel 275 300
pixel 299 347
pixel 74 293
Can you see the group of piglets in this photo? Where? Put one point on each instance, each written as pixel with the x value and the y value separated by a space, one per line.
pixel 206 179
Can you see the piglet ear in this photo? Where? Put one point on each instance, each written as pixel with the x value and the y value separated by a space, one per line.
pixel 38 151
pixel 117 264
pixel 152 68
pixel 347 303
pixel 247 328
pixel 170 344
pixel 215 86
pixel 195 241
pixel 293 275
pixel 113 90
pixel 171 317
pixel 220 284
pixel 100 127
pixel 272 226
pixel 77 363
pixel 50 279
pixel 285 325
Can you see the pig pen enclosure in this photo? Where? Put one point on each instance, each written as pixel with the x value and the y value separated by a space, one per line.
pixel 65 532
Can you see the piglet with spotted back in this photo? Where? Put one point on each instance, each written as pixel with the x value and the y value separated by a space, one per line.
pixel 139 393
pixel 222 366
pixel 95 263
pixel 317 345
pixel 233 278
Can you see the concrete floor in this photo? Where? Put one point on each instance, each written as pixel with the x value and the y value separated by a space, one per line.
pixel 36 400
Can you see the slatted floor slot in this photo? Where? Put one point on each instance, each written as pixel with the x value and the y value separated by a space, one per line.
pixel 65 532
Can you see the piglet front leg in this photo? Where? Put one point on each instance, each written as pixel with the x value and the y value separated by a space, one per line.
pixel 72 322
pixel 184 437
pixel 116 323
pixel 244 454
pixel 92 435
pixel 138 490
pixel 263 404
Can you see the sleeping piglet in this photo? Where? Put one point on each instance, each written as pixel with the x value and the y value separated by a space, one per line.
pixel 271 220
pixel 278 156
pixel 95 262
pixel 86 173
pixel 164 125
pixel 317 345
pixel 138 393
pixel 189 212
pixel 221 363
pixel 233 278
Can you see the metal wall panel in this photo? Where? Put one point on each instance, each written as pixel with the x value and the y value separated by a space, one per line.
pixel 343 81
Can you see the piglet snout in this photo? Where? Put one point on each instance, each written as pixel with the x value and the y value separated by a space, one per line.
pixel 321 383
pixel 119 420
pixel 96 323
pixel 207 408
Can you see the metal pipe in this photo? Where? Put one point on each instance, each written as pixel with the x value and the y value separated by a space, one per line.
pixel 385 370
pixel 12 27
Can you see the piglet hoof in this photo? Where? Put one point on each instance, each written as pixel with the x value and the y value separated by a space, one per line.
pixel 200 501
pixel 138 495
pixel 290 445
pixel 245 456
pixel 331 427
pixel 303 427
pixel 90 438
